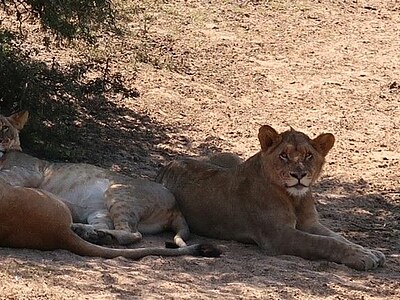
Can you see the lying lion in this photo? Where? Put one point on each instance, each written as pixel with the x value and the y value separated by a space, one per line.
pixel 265 200
pixel 35 219
pixel 106 207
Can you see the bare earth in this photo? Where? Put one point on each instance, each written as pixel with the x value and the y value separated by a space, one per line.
pixel 209 73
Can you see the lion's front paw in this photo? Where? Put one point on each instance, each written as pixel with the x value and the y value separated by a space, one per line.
pixel 381 257
pixel 364 259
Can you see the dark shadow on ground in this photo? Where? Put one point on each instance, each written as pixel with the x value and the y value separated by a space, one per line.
pixel 72 118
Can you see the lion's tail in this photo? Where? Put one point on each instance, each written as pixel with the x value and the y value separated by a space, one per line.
pixel 79 246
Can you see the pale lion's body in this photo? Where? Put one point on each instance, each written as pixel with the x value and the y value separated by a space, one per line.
pixel 265 200
pixel 36 219
pixel 105 206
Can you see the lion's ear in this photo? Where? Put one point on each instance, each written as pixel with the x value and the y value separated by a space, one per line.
pixel 267 137
pixel 323 143
pixel 19 119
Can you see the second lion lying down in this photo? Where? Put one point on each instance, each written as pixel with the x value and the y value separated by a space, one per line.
pixel 106 207
pixel 265 200
pixel 36 219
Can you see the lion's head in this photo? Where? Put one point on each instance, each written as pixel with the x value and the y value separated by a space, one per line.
pixel 9 130
pixel 291 159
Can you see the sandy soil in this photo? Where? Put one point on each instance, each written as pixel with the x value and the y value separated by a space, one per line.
pixel 208 74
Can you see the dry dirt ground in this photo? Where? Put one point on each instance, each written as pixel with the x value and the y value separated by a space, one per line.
pixel 207 75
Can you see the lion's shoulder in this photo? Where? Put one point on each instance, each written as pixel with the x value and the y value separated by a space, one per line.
pixel 14 158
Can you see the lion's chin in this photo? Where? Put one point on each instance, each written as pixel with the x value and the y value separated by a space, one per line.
pixel 297 191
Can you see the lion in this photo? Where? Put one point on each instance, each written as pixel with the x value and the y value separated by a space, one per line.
pixel 265 200
pixel 36 219
pixel 106 207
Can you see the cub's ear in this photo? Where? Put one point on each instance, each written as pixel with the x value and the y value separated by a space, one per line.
pixel 323 143
pixel 18 120
pixel 267 137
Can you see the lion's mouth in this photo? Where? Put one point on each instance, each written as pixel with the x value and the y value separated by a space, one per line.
pixel 297 190
pixel 298 186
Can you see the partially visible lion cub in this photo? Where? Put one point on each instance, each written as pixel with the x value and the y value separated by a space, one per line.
pixel 105 206
pixel 265 200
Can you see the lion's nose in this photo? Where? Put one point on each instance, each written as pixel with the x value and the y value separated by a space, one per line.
pixel 298 175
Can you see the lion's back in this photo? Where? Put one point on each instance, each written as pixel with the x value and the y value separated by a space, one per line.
pixel 178 173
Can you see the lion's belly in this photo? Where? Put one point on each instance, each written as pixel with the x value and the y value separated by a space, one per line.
pixel 84 194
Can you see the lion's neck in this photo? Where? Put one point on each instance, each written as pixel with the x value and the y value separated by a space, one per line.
pixel 254 166
pixel 13 147
pixel 252 163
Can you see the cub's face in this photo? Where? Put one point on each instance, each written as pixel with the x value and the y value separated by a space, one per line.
pixel 9 131
pixel 292 160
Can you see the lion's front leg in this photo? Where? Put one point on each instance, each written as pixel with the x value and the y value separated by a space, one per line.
pixel 291 241
pixel 319 229
pixel 308 221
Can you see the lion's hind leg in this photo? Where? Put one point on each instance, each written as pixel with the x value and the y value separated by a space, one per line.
pixel 100 229
pixel 124 216
pixel 181 228
pixel 92 231
pixel 125 230
pixel 92 234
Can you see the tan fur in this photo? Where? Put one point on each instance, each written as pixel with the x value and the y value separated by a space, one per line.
pixel 106 207
pixel 223 159
pixel 265 200
pixel 35 219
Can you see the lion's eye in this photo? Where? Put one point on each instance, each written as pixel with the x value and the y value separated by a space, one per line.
pixel 283 156
pixel 309 156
